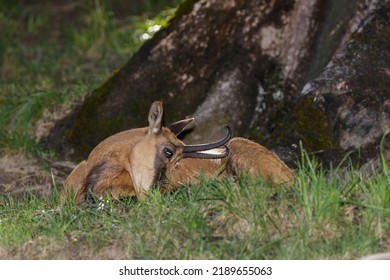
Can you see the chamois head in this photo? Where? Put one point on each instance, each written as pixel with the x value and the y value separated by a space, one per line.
pixel 159 146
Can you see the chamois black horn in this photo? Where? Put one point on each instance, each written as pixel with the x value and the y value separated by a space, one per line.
pixel 203 147
pixel 205 155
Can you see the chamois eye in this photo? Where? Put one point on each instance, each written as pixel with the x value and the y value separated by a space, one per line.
pixel 168 153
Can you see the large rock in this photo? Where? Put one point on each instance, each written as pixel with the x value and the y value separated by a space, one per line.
pixel 212 61
pixel 243 63
pixel 347 107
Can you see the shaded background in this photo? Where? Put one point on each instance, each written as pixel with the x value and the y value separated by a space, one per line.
pixel 282 73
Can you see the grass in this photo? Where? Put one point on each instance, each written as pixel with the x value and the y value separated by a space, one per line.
pixel 52 54
pixel 324 215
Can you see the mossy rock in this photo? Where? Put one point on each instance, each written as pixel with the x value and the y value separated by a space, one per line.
pixel 347 108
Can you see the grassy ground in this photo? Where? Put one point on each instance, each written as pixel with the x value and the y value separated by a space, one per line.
pixel 51 55
pixel 322 216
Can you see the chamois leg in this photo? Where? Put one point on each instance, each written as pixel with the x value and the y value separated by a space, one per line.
pixel 104 178
pixel 120 185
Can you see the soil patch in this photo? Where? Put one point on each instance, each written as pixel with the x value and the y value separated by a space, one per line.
pixel 20 176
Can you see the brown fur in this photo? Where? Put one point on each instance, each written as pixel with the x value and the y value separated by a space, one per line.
pixel 73 184
pixel 245 156
pixel 181 172
pixel 248 156
pixel 127 163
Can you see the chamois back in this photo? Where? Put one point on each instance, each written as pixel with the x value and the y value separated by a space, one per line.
pixel 245 157
pixel 248 156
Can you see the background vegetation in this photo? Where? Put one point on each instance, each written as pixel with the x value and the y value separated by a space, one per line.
pixel 51 55
pixel 54 52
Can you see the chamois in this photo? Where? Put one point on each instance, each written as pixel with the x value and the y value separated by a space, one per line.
pixel 130 162
pixel 245 156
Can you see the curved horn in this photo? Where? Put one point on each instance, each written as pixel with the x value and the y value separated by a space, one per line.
pixel 203 147
pixel 206 155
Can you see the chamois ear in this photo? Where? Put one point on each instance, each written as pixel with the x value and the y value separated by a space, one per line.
pixel 177 127
pixel 155 117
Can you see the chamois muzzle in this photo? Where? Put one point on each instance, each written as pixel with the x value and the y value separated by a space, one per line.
pixel 198 151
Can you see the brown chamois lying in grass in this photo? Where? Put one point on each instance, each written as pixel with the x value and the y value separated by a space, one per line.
pixel 130 162
pixel 245 157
